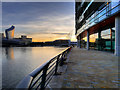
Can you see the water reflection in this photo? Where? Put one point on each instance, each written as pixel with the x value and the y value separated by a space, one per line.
pixel 23 50
pixel 9 53
pixel 17 62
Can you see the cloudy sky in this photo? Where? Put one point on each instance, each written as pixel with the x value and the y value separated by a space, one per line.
pixel 43 21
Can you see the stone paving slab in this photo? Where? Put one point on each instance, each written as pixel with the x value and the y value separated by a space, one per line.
pixel 88 69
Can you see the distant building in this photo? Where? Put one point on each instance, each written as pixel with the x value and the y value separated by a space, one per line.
pixel 73 43
pixel 1 35
pixel 23 36
pixel 62 42
pixel 10 32
pixel 9 40
pixel 24 40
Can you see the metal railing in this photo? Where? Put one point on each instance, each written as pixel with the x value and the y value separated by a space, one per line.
pixel 40 77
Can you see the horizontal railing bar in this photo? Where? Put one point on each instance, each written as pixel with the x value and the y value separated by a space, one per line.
pixel 29 80
pixel 36 81
pixel 60 53
pixel 25 83
pixel 35 72
pixel 38 85
pixel 51 65
pixel 52 74
pixel 53 59
pixel 50 71
pixel 48 80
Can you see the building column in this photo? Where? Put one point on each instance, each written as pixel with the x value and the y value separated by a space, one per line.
pixel 99 40
pixel 87 40
pixel 117 36
pixel 78 42
pixel 111 39
pixel 99 34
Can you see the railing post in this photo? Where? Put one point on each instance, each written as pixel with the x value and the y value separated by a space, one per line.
pixel 62 59
pixel 44 77
pixel 66 53
pixel 64 56
pixel 56 67
pixel 26 83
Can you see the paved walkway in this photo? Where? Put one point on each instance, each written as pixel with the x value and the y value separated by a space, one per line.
pixel 88 69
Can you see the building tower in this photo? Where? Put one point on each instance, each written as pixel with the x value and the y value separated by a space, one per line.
pixel 10 32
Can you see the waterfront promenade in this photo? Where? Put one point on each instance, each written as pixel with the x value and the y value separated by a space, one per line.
pixel 88 69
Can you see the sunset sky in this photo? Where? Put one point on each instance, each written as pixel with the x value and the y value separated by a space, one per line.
pixel 42 21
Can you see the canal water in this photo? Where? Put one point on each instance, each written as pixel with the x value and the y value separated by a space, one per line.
pixel 17 62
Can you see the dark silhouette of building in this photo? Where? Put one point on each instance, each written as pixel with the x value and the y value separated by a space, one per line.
pixel 9 40
pixel 62 42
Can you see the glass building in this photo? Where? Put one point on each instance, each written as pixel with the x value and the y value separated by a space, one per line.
pixel 98 25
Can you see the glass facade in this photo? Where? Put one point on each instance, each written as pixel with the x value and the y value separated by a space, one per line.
pixel 103 40
pixel 84 42
pixel 92 41
pixel 106 10
pixel 109 39
pixel 100 23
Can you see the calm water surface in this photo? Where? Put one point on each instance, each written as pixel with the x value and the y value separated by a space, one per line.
pixel 17 62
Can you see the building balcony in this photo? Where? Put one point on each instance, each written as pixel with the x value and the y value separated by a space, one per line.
pixel 100 15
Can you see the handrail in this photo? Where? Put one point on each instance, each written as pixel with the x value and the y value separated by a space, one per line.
pixel 41 76
pixel 25 83
pixel 35 72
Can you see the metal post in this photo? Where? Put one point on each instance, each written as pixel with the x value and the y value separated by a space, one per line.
pixel 79 41
pixel 44 77
pixel 62 59
pixel 99 40
pixel 56 67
